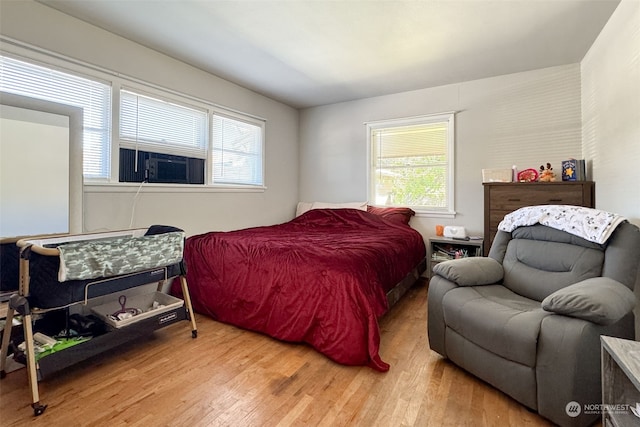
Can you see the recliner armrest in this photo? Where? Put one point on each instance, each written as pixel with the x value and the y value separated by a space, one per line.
pixel 472 271
pixel 599 300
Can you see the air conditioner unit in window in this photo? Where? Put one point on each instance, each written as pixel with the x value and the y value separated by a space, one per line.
pixel 160 168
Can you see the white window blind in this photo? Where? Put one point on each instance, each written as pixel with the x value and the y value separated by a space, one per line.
pixel 237 152
pixel 169 124
pixel 161 126
pixel 92 96
pixel 411 164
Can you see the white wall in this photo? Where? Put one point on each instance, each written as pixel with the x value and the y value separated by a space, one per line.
pixel 611 116
pixel 611 112
pixel 196 212
pixel 30 140
pixel 525 119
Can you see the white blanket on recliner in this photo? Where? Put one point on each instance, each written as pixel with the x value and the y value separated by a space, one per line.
pixel 593 225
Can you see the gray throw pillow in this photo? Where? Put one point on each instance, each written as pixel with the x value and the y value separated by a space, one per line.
pixel 599 300
pixel 472 271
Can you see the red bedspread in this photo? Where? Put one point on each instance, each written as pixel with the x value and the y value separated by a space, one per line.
pixel 320 279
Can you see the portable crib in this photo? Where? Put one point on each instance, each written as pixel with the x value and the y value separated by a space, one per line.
pixel 59 272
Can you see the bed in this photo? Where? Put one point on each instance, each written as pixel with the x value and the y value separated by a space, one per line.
pixel 323 278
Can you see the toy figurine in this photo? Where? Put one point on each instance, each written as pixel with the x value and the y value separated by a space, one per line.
pixel 547 174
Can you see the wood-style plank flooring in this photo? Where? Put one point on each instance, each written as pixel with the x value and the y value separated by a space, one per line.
pixel 232 377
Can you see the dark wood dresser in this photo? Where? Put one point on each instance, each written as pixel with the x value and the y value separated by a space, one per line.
pixel 501 198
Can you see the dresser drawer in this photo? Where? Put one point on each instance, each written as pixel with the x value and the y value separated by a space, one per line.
pixel 503 198
pixel 512 198
pixel 495 216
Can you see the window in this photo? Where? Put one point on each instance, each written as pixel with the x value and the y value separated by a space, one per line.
pixel 411 163
pixel 229 145
pixel 94 97
pixel 237 151
pixel 162 126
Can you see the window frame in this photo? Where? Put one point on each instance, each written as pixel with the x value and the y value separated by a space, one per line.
pixel 156 146
pixel 446 117
pixel 247 120
pixel 106 132
pixel 118 81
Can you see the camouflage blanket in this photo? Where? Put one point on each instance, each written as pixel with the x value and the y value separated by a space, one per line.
pixel 90 259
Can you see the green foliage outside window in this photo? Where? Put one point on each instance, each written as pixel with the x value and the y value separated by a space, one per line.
pixel 413 181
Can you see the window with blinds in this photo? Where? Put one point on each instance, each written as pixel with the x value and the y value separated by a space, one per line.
pixel 94 97
pixel 412 163
pixel 231 145
pixel 162 126
pixel 237 151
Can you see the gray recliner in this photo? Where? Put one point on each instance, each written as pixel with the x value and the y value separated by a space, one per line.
pixel 527 319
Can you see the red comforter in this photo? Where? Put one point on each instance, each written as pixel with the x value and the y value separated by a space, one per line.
pixel 320 279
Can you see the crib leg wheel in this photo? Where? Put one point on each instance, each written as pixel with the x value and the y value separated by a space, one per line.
pixel 38 409
pixel 194 334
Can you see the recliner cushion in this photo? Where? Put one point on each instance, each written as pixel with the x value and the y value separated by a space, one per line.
pixel 535 269
pixel 496 319
pixel 548 234
pixel 471 271
pixel 600 300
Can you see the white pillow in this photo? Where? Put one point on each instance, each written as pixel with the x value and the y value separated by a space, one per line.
pixel 303 207
pixel 307 206
pixel 350 205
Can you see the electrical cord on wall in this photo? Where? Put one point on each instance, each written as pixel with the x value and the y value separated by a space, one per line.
pixel 135 201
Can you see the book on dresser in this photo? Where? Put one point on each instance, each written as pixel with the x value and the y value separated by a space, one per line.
pixel 574 170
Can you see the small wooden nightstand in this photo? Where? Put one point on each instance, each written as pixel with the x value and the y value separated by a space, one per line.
pixel 444 248
pixel 620 382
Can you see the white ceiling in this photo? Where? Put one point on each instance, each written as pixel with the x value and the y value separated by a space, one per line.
pixel 309 53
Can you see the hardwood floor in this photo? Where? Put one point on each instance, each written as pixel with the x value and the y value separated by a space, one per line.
pixel 231 377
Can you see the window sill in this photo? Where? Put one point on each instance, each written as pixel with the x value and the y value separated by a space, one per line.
pixel 435 214
pixel 132 187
